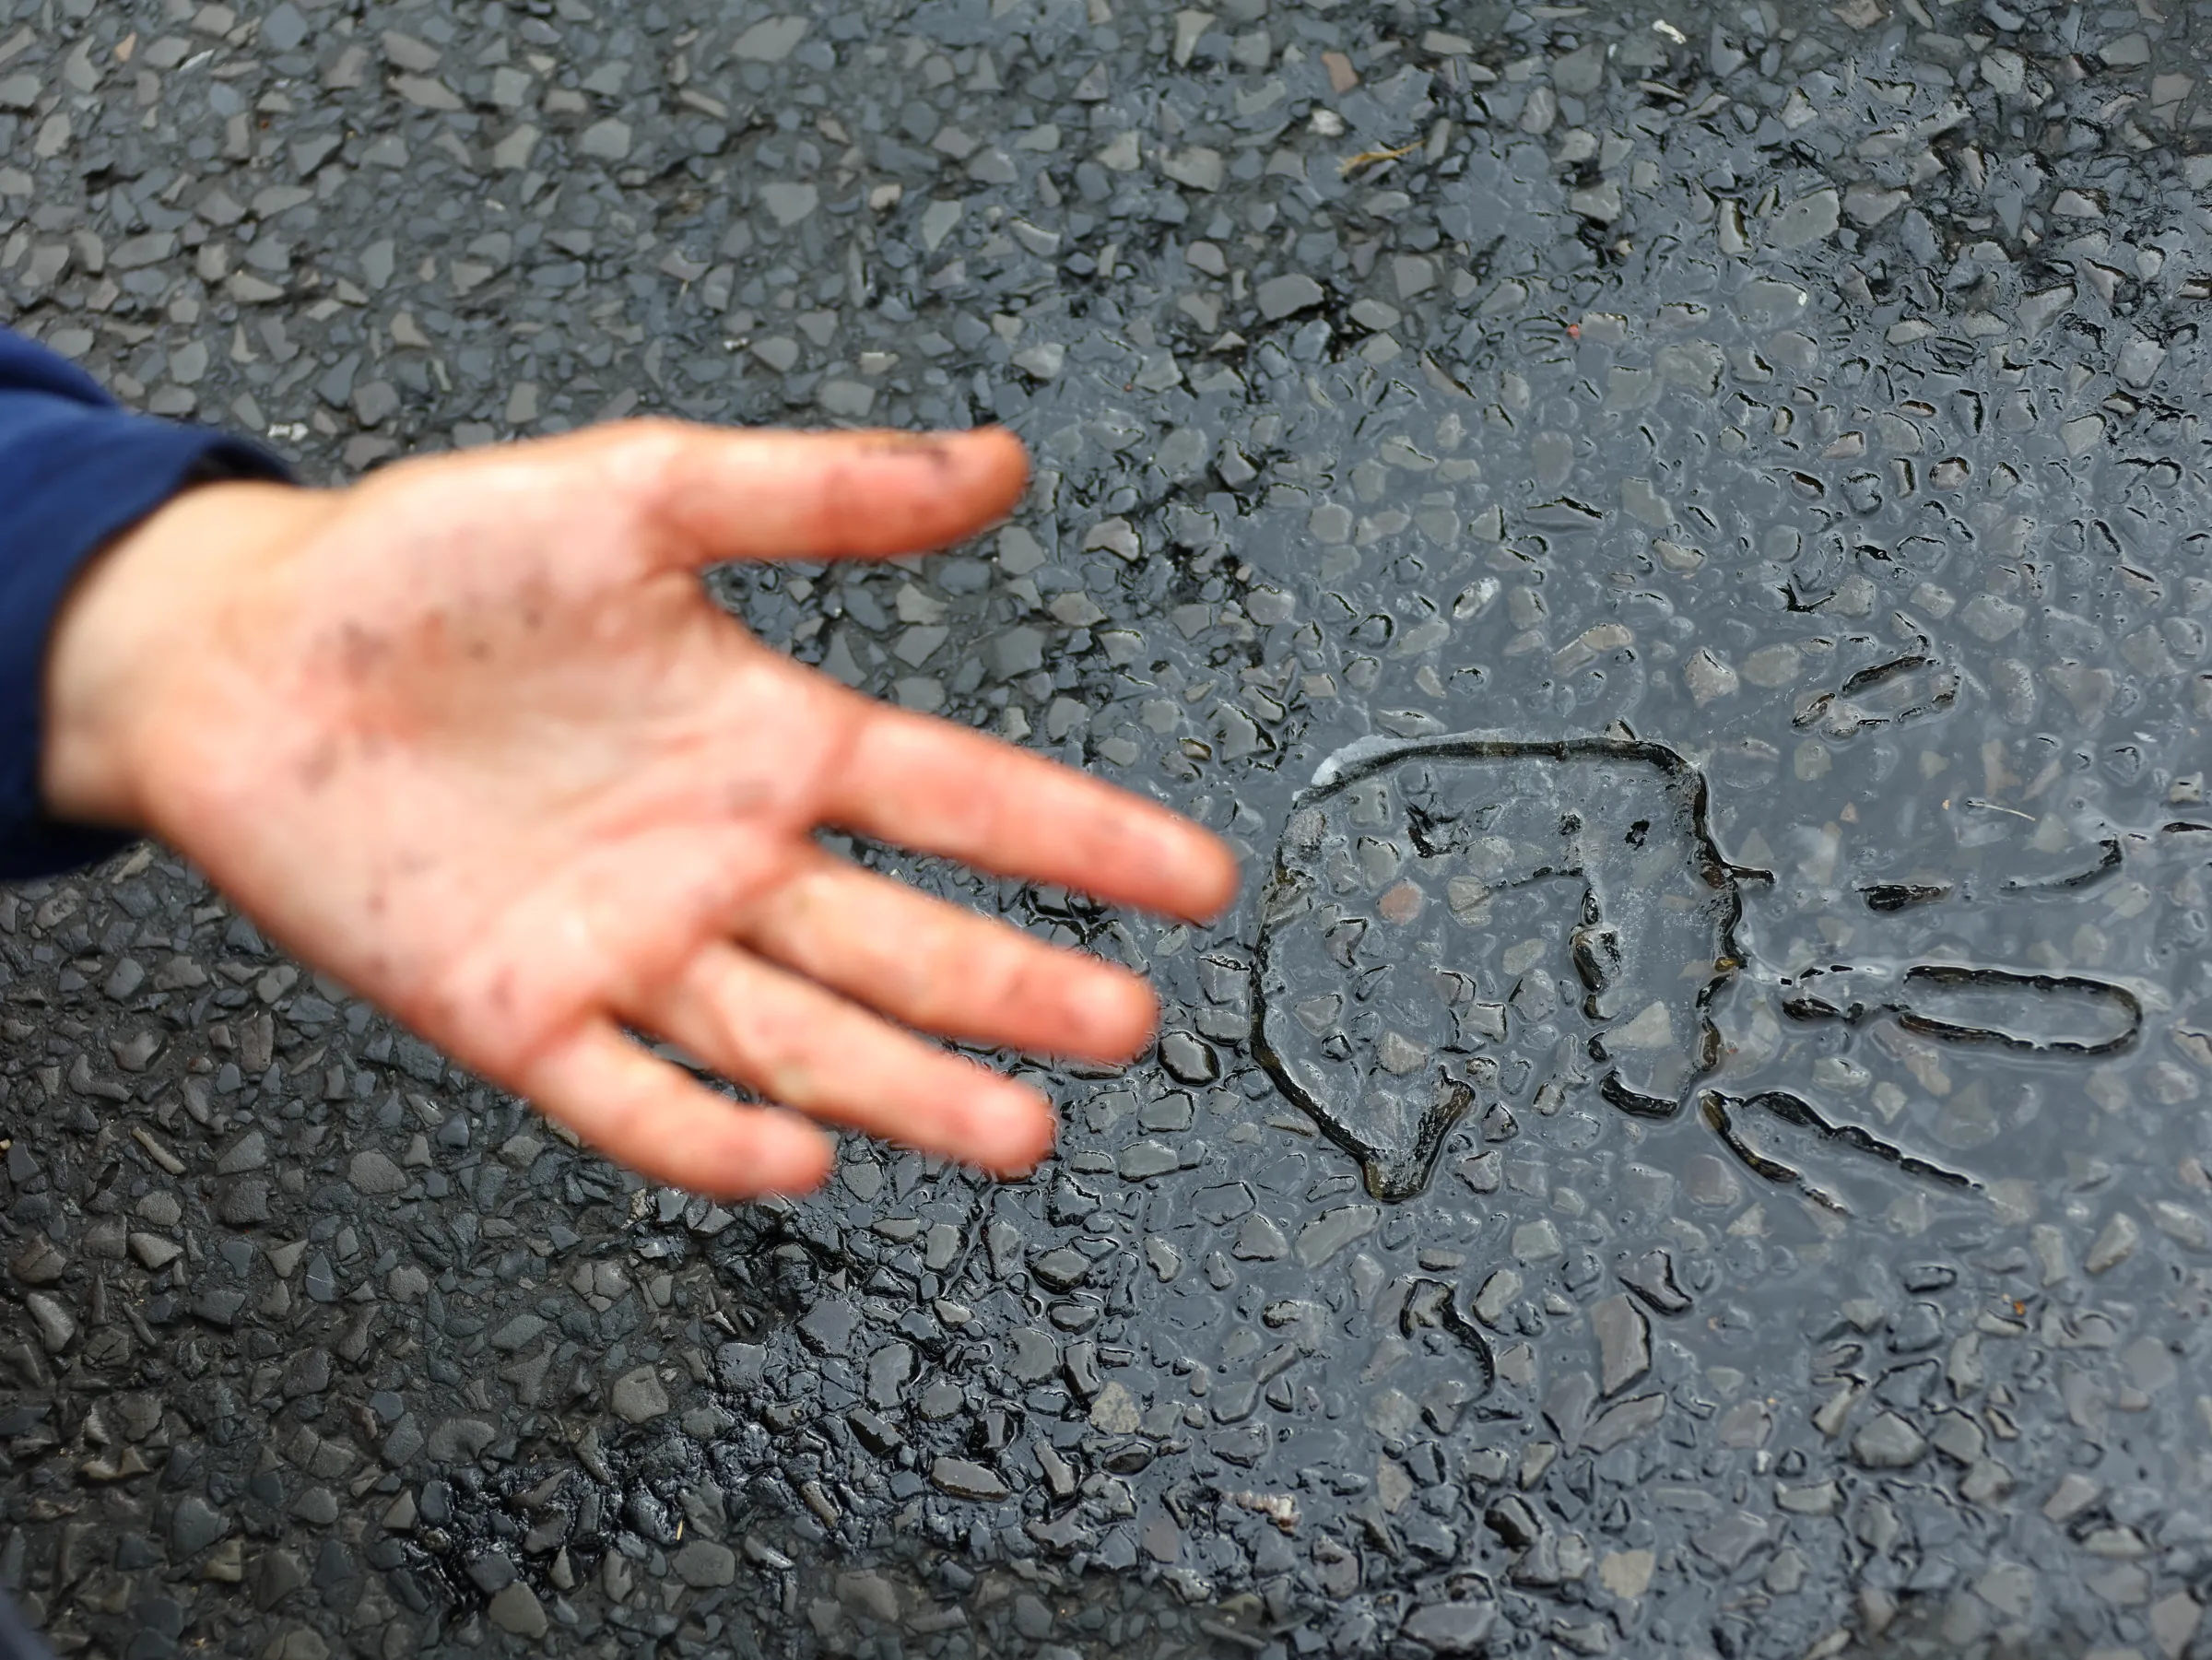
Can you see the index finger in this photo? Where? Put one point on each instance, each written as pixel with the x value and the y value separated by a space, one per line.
pixel 933 787
pixel 721 495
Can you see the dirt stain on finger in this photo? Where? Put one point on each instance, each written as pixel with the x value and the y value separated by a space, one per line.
pixel 939 449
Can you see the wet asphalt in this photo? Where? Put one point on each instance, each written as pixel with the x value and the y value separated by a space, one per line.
pixel 1673 538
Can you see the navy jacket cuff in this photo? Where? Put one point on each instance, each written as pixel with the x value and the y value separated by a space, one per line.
pixel 73 477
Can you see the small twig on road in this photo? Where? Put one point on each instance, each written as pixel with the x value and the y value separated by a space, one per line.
pixel 1352 164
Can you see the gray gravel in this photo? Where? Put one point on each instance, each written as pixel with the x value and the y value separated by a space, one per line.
pixel 1764 1217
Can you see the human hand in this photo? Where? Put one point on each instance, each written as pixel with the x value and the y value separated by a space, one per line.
pixel 471 736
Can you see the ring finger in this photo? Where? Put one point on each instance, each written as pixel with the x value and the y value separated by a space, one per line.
pixel 808 1049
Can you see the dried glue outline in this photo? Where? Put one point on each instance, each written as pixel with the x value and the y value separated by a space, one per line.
pixel 1890 694
pixel 1856 995
pixel 2105 857
pixel 2106 1020
pixel 2095 1019
pixel 1431 1304
pixel 2108 860
pixel 1654 889
pixel 1428 790
pixel 1721 1114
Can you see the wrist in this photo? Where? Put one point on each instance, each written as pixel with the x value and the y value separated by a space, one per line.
pixel 135 621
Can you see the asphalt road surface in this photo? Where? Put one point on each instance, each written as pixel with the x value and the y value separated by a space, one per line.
pixel 1674 539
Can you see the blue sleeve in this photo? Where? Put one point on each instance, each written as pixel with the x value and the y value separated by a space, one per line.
pixel 18 1641
pixel 76 471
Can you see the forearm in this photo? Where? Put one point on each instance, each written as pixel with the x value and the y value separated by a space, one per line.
pixel 76 473
pixel 153 596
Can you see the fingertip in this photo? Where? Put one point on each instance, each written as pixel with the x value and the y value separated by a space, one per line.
pixel 810 1154
pixel 993 450
pixel 1118 1012
pixel 1022 1128
pixel 1214 878
pixel 773 1152
pixel 1004 443
pixel 1006 463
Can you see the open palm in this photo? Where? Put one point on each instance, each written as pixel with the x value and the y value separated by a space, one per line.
pixel 472 737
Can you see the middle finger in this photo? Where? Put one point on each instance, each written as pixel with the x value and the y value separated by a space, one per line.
pixel 936 967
